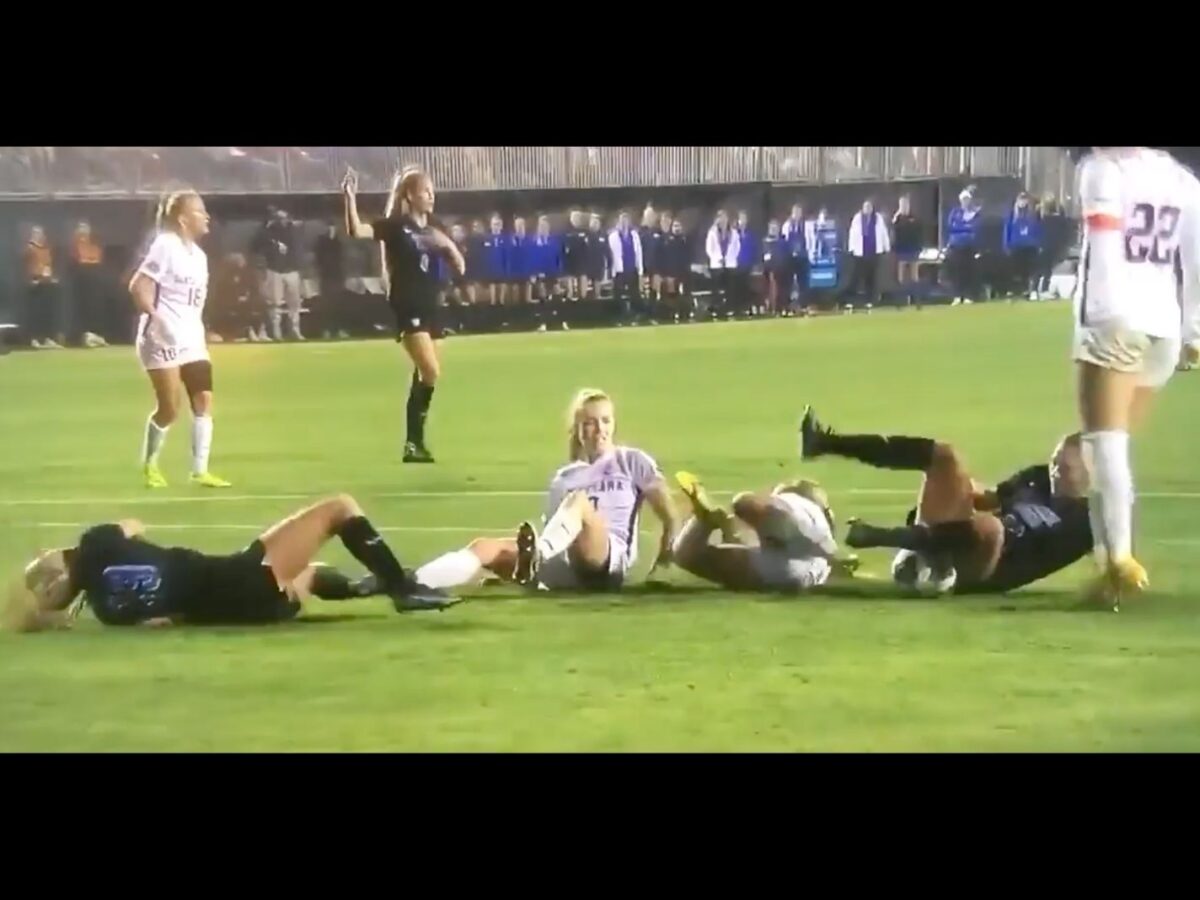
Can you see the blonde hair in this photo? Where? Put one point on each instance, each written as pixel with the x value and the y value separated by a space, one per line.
pixel 171 206
pixel 582 398
pixel 809 490
pixel 43 591
pixel 405 181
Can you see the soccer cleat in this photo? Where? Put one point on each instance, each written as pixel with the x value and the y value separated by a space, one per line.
pixel 1190 357
pixel 811 433
pixel 416 597
pixel 209 480
pixel 154 476
pixel 1129 576
pixel 527 556
pixel 702 505
pixel 417 453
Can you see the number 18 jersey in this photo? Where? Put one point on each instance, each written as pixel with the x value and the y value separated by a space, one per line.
pixel 174 334
pixel 1141 210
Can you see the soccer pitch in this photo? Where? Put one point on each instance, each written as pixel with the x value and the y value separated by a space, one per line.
pixel 685 669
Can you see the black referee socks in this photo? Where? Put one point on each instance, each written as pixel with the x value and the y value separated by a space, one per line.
pixel 420 397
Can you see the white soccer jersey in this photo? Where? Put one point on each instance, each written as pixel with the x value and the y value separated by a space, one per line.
pixel 615 484
pixel 1140 209
pixel 174 334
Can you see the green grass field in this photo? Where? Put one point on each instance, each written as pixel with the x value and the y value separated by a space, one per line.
pixel 692 669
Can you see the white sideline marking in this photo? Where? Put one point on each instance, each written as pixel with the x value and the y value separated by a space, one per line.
pixel 231 527
pixel 435 495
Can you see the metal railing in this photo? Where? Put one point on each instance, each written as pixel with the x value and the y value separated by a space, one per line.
pixel 60 172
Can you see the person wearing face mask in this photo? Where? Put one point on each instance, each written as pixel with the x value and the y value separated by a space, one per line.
pixel 589 542
pixel 1023 245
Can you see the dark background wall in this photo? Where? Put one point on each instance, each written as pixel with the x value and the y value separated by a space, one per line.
pixel 121 226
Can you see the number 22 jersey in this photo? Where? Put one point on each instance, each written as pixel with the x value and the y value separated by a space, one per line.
pixel 1141 210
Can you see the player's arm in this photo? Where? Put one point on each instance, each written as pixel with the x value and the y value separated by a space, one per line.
pixel 659 497
pixel 1104 216
pixel 442 241
pixel 143 287
pixel 1189 264
pixel 355 227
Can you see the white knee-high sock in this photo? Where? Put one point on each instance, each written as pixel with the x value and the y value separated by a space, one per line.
pixel 202 434
pixel 562 529
pixel 153 441
pixel 1106 455
pixel 450 570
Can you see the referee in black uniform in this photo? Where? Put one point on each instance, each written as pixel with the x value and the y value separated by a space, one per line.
pixel 410 240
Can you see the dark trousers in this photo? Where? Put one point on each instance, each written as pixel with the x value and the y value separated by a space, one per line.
pixel 962 270
pixel 1023 262
pixel 864 275
pixel 45 314
pixel 795 280
pixel 739 290
pixel 627 291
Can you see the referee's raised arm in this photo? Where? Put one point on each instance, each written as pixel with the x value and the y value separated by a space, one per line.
pixel 355 227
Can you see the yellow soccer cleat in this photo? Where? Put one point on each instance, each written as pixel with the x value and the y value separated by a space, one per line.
pixel 209 480
pixel 154 476
pixel 1128 576
pixel 702 506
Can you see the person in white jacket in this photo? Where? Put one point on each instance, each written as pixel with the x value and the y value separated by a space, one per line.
pixel 867 241
pixel 625 245
pixel 722 246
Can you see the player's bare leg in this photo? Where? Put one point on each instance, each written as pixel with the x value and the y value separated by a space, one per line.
pixel 731 564
pixel 1107 401
pixel 292 544
pixel 168 387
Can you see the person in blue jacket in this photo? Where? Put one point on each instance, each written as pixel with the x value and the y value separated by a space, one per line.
pixel 520 274
pixel 493 262
pixel 546 258
pixel 749 256
pixel 1023 244
pixel 962 245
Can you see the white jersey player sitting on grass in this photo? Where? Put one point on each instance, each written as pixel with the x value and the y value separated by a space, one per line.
pixel 796 549
pixel 593 507
pixel 169 289
pixel 1141 215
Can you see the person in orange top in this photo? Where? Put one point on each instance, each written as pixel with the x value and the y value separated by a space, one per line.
pixel 88 288
pixel 43 316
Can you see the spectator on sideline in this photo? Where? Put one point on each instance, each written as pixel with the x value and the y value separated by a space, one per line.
pixel 675 261
pixel 795 238
pixel 520 276
pixel 43 318
pixel 598 257
pixel 651 239
pixel 867 241
pixel 473 255
pixel 625 247
pixel 748 257
pixel 1057 238
pixel 776 265
pixel 721 246
pixel 962 229
pixel 494 261
pixel 907 240
pixel 575 254
pixel 330 258
pixel 89 288
pixel 279 245
pixel 1023 245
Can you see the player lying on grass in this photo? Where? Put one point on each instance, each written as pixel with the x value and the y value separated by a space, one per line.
pixel 796 548
pixel 967 538
pixel 589 542
pixel 127 580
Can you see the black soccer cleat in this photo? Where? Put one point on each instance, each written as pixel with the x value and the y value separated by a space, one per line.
pixel 862 536
pixel 527 554
pixel 417 453
pixel 811 434
pixel 416 597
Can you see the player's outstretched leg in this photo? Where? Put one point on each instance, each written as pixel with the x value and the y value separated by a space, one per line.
pixel 197 379
pixel 884 452
pixel 291 545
